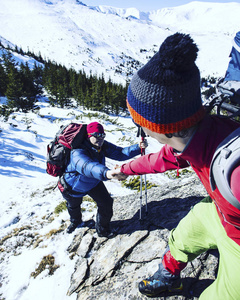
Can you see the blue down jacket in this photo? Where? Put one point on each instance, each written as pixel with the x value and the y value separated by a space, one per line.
pixel 87 166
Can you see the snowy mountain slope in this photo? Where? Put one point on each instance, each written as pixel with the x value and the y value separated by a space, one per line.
pixel 108 40
pixel 70 33
pixel 29 227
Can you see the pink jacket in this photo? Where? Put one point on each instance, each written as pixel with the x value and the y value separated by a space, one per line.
pixel 198 154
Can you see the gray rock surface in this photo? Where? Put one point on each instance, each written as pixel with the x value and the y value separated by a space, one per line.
pixel 109 269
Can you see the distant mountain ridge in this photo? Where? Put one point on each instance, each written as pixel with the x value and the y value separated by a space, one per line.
pixel 117 41
pixel 190 12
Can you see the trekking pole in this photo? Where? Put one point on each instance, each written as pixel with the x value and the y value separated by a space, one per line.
pixel 145 181
pixel 140 210
pixel 141 132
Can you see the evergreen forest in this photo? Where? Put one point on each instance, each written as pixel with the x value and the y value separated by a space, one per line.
pixel 23 86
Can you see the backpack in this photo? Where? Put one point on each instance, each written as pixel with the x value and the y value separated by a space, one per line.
pixel 67 138
pixel 224 161
pixel 227 100
pixel 227 95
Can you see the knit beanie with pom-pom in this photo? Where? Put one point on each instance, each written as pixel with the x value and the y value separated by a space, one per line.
pixel 164 95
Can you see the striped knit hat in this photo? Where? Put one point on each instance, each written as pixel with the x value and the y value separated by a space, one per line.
pixel 164 95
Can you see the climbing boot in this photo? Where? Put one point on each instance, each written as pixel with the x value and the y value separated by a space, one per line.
pixel 72 227
pixel 160 282
pixel 106 233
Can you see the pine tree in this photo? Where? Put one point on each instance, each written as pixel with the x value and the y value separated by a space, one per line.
pixel 3 81
pixel 37 74
pixel 29 90
pixel 14 89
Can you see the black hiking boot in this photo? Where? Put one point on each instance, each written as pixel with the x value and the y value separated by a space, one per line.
pixel 106 233
pixel 72 227
pixel 161 281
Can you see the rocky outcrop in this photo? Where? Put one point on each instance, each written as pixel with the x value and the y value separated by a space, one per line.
pixel 109 269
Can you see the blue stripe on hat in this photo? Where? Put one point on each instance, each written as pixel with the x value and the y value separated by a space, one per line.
pixel 159 113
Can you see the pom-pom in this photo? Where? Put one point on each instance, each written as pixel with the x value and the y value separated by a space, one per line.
pixel 178 52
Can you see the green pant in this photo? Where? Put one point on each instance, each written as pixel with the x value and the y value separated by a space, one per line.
pixel 199 231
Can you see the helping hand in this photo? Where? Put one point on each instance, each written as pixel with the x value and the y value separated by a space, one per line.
pixel 115 173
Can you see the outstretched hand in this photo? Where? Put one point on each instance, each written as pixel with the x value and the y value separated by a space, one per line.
pixel 116 173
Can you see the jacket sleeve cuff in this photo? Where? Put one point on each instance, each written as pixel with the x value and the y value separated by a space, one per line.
pixel 105 174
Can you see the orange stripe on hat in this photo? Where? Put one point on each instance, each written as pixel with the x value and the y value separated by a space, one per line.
pixel 167 128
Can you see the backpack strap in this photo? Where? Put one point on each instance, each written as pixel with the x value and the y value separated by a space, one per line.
pixel 67 187
pixel 224 161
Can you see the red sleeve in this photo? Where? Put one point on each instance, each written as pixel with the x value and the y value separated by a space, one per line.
pixel 235 184
pixel 154 163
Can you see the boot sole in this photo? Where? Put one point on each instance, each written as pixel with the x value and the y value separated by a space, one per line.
pixel 180 288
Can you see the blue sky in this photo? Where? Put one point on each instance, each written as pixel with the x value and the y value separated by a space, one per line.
pixel 146 5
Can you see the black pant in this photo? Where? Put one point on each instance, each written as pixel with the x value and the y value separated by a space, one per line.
pixel 104 203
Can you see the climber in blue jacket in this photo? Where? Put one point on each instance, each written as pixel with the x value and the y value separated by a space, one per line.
pixel 85 174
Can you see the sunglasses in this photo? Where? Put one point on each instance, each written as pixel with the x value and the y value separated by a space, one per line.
pixel 97 135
